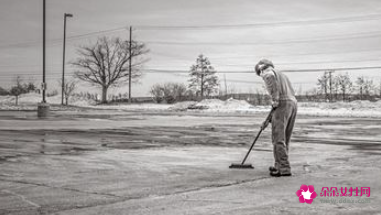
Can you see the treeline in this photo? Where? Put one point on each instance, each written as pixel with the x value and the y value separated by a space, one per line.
pixel 340 87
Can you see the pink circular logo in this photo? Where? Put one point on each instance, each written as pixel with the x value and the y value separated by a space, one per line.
pixel 306 194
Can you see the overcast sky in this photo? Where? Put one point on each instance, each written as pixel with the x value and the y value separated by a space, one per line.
pixel 234 35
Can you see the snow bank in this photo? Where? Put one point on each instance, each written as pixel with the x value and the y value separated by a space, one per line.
pixel 142 107
pixel 365 109
pixel 183 106
pixel 230 105
pixel 30 101
pixel 214 105
pixel 354 105
pixel 338 109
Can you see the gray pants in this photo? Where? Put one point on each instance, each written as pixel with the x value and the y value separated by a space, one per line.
pixel 282 124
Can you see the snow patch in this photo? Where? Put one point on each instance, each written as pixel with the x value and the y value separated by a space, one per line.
pixel 365 109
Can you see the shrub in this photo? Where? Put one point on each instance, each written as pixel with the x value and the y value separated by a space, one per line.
pixel 169 92
pixel 3 92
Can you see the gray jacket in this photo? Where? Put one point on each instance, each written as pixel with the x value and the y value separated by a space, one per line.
pixel 279 86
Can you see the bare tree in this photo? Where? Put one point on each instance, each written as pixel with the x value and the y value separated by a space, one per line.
pixel 105 64
pixel 170 92
pixel 365 86
pixel 179 90
pixel 157 93
pixel 18 88
pixel 30 85
pixel 69 87
pixel 368 87
pixel 323 84
pixel 360 85
pixel 335 87
pixel 345 84
pixel 260 96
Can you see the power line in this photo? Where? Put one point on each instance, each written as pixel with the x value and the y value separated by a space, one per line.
pixel 251 71
pixel 78 36
pixel 31 73
pixel 273 55
pixel 262 43
pixel 28 66
pixel 305 63
pixel 187 71
pixel 148 27
pixel 293 63
pixel 58 41
pixel 152 70
pixel 335 69
pixel 267 24
pixel 240 56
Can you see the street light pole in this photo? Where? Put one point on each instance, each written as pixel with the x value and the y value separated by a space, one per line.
pixel 43 107
pixel 130 68
pixel 43 51
pixel 63 58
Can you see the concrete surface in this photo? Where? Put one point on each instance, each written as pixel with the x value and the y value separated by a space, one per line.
pixel 112 162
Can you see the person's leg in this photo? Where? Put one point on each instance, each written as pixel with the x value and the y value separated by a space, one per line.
pixel 290 125
pixel 276 163
pixel 279 124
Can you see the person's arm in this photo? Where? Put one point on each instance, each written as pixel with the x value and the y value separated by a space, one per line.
pixel 271 86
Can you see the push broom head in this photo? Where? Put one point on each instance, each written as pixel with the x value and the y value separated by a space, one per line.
pixel 241 166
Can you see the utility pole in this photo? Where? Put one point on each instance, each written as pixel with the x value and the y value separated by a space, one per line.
pixel 43 52
pixel 43 107
pixel 63 58
pixel 130 68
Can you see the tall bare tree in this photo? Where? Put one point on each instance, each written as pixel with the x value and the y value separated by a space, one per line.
pixel 203 77
pixel 365 86
pixel 369 87
pixel 360 85
pixel 260 96
pixel 323 84
pixel 335 87
pixel 69 87
pixel 106 63
pixel 18 89
pixel 345 84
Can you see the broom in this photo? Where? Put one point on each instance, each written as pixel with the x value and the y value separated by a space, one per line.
pixel 242 165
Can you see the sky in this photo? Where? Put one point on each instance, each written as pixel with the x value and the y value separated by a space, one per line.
pixel 297 35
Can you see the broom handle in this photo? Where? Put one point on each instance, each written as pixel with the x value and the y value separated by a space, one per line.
pixel 259 133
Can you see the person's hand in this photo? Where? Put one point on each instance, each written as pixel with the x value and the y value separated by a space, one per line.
pixel 265 124
pixel 275 104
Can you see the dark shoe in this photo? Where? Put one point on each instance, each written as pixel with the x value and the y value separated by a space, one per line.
pixel 275 174
pixel 278 174
pixel 272 169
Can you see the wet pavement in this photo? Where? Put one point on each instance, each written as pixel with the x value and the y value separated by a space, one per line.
pixel 113 162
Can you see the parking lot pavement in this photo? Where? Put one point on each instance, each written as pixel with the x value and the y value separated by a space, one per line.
pixel 178 166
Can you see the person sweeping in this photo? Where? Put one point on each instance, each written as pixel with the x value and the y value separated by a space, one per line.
pixel 283 119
